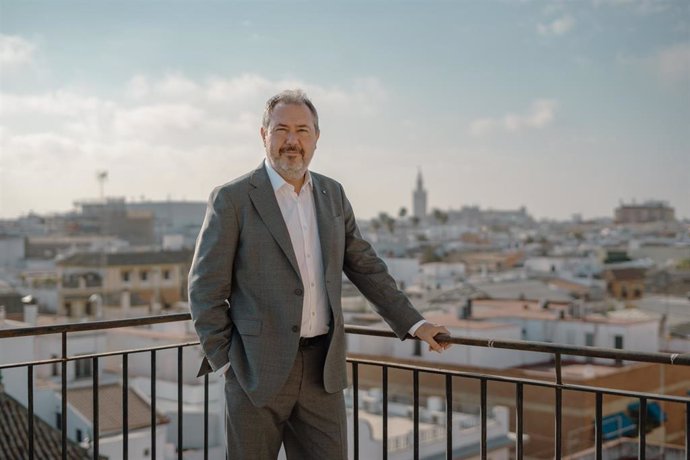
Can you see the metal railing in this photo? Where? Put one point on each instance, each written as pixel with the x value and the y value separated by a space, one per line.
pixel 558 386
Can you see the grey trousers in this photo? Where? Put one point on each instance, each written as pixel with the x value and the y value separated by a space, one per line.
pixel 310 422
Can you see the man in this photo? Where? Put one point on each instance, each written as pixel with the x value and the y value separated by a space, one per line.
pixel 265 288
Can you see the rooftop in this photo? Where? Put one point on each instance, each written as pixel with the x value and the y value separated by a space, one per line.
pixel 95 259
pixel 14 422
pixel 110 408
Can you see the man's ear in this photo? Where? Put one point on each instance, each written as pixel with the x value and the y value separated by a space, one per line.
pixel 262 131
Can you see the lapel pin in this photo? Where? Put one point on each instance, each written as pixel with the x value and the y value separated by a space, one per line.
pixel 323 191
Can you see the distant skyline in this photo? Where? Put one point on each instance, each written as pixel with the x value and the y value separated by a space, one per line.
pixel 561 107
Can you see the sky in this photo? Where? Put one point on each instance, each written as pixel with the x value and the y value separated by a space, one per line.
pixel 564 107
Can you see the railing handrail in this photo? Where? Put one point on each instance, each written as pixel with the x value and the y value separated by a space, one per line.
pixel 516 345
pixel 544 347
pixel 93 325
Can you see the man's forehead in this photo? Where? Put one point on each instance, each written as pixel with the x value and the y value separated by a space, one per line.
pixel 292 112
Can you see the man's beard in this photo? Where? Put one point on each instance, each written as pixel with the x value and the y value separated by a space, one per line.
pixel 290 169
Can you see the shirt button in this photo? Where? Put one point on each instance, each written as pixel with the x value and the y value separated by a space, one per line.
pixel 312 284
pixel 295 328
pixel 299 291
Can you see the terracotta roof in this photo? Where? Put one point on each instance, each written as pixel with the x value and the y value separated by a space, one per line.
pixel 622 274
pixel 14 433
pixel 95 259
pixel 110 408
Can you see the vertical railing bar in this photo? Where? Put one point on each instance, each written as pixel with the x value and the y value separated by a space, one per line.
pixel 30 388
pixel 598 420
pixel 519 421
pixel 179 403
pixel 559 373
pixel 63 416
pixel 415 409
pixel 94 395
pixel 482 411
pixel 449 417
pixel 558 424
pixel 687 431
pixel 206 417
pixel 642 432
pixel 154 419
pixel 355 408
pixel 125 404
pixel 559 408
pixel 384 370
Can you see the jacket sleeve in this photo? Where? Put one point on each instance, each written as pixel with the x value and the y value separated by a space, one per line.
pixel 210 278
pixel 370 274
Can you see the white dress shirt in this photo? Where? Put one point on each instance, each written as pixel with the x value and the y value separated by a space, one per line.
pixel 299 214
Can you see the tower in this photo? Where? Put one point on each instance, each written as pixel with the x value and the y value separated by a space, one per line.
pixel 419 198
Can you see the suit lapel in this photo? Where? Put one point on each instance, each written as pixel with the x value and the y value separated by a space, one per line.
pixel 264 199
pixel 324 219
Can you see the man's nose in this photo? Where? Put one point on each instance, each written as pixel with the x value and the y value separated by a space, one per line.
pixel 291 137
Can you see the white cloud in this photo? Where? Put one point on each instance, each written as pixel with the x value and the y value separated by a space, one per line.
pixel 15 51
pixel 59 103
pixel 173 134
pixel 541 113
pixel 558 26
pixel 673 63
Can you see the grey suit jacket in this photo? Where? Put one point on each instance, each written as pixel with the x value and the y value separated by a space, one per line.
pixel 246 293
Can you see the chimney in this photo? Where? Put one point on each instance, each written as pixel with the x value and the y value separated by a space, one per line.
pixel 125 301
pixel 30 310
pixel 96 302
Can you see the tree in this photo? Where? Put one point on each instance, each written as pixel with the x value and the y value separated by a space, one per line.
pixel 403 212
pixel 390 224
pixel 440 216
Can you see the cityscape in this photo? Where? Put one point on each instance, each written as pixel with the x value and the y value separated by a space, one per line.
pixel 520 166
pixel 619 282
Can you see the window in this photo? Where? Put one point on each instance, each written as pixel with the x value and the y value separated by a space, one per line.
pixel 82 368
pixel 58 420
pixel 618 343
pixel 80 436
pixel 417 348
pixel 54 366
pixel 166 274
pixel 125 276
pixel 143 275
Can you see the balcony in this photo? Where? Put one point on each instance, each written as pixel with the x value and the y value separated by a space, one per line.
pixel 398 408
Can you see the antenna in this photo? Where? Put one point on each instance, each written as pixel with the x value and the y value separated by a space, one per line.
pixel 101 176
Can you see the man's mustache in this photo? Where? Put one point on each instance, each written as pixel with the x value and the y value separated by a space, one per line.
pixel 291 149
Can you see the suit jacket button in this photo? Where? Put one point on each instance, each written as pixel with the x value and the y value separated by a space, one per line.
pixel 295 328
pixel 299 291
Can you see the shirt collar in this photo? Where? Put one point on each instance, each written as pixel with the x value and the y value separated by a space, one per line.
pixel 278 182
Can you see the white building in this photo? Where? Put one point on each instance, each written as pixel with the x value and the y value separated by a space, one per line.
pixel 465 430
pixel 505 319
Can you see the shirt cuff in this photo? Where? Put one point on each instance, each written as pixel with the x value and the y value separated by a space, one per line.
pixel 415 326
pixel 223 369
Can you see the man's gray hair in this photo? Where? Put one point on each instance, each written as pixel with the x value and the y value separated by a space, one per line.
pixel 289 96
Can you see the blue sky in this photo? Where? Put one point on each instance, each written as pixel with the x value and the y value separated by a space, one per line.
pixel 563 107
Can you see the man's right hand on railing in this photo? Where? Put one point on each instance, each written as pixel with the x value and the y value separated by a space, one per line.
pixel 428 332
